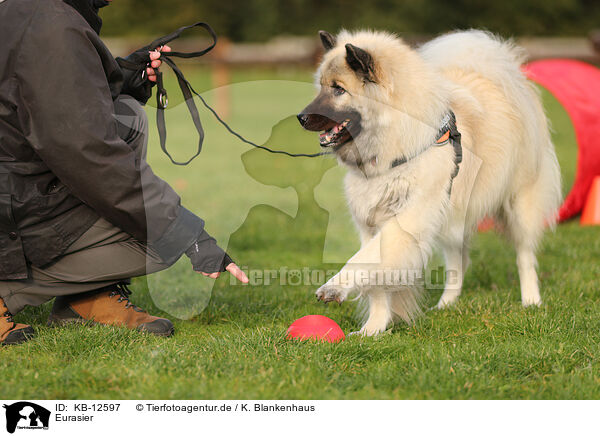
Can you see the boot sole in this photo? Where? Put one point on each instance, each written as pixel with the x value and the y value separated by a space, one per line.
pixel 61 322
pixel 19 336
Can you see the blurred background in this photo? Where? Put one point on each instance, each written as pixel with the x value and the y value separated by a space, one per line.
pixel 545 27
pixel 261 20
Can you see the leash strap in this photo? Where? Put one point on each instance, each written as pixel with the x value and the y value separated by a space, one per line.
pixel 188 92
pixel 162 98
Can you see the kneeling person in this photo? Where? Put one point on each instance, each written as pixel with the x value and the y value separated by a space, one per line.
pixel 81 211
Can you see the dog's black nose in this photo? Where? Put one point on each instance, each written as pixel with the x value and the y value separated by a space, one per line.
pixel 303 119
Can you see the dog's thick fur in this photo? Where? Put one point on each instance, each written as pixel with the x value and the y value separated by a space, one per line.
pixel 396 98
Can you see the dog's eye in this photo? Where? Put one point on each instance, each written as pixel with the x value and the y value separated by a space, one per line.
pixel 338 90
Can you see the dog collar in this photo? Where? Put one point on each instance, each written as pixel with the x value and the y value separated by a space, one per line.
pixel 448 134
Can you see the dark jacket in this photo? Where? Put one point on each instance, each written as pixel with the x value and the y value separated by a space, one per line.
pixel 62 163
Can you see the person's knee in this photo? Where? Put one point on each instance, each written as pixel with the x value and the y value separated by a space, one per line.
pixel 132 119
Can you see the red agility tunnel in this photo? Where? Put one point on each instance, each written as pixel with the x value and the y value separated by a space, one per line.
pixel 576 85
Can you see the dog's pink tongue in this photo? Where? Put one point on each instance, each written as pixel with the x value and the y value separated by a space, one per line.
pixel 337 128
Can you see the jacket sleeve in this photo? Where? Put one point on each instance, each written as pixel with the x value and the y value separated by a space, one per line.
pixel 66 109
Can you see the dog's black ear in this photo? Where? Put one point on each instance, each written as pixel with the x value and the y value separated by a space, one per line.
pixel 361 62
pixel 327 39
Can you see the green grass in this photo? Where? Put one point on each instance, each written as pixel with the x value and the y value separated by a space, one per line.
pixel 262 207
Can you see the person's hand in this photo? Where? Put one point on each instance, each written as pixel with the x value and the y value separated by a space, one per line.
pixel 233 270
pixel 140 71
pixel 155 62
pixel 211 260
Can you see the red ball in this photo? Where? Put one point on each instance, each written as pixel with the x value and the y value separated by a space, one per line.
pixel 316 327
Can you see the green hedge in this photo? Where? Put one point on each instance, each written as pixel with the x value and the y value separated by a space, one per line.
pixel 256 20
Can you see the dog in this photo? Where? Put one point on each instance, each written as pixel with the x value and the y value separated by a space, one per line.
pixel 434 139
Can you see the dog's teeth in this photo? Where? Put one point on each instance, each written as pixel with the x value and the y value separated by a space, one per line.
pixel 327 136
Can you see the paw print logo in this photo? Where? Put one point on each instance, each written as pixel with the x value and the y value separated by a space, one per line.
pixel 294 277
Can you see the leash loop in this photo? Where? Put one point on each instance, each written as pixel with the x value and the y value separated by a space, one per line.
pixel 188 92
pixel 162 98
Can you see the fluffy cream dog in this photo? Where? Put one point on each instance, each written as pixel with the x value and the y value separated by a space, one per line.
pixel 386 111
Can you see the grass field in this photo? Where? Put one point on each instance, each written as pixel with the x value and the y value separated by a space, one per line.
pixel 272 211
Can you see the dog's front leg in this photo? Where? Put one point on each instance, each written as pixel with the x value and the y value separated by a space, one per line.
pixel 392 249
pixel 402 246
pixel 353 274
pixel 380 313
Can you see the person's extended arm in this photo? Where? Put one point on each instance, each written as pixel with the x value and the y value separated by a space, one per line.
pixel 67 114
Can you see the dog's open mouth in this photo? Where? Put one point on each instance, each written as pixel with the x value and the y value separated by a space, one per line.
pixel 338 135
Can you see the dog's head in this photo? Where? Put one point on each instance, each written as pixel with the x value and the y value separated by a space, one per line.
pixel 366 85
pixel 335 112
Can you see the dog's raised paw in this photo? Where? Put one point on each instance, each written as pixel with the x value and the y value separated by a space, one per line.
pixel 327 293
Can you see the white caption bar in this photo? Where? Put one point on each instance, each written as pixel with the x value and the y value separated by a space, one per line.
pixel 313 418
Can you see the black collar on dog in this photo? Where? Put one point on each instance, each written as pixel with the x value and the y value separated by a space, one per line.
pixel 448 134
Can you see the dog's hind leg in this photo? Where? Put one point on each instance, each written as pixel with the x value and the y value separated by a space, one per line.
pixel 455 247
pixel 524 219
pixel 527 263
pixel 457 260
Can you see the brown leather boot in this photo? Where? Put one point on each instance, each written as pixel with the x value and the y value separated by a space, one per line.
pixel 109 306
pixel 12 333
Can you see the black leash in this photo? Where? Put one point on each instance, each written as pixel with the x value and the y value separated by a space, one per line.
pixel 187 90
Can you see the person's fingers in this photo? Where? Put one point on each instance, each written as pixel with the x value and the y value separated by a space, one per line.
pixel 212 275
pixel 151 74
pixel 155 63
pixel 237 272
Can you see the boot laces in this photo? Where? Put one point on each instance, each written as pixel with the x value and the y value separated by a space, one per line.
pixel 7 314
pixel 124 292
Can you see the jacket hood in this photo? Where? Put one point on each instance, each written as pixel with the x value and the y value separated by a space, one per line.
pixel 89 10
